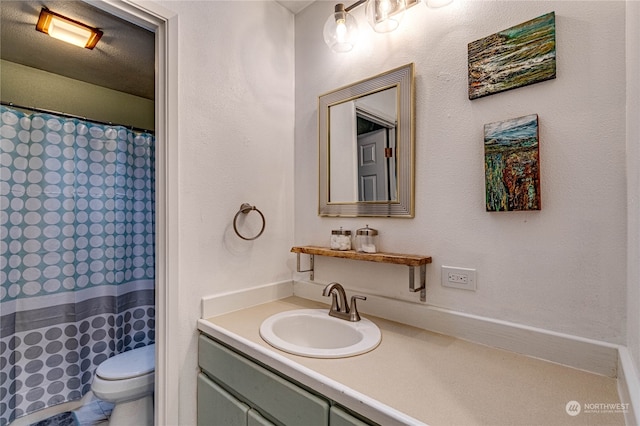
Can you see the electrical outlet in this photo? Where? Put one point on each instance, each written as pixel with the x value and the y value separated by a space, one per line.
pixel 463 278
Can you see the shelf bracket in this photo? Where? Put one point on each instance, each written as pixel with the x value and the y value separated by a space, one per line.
pixel 423 281
pixel 311 270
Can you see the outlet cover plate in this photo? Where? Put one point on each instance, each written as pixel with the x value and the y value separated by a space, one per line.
pixel 462 278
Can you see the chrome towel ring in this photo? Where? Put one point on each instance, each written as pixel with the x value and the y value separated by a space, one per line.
pixel 245 208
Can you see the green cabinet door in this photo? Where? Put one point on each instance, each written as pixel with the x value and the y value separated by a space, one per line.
pixel 217 406
pixel 255 419
pixel 340 417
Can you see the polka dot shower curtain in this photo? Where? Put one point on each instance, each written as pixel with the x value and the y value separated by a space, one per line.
pixel 76 254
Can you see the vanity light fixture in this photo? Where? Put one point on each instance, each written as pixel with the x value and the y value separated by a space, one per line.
pixel 341 29
pixel 434 4
pixel 67 29
pixel 385 16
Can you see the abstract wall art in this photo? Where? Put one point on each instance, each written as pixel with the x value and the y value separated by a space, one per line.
pixel 516 57
pixel 512 164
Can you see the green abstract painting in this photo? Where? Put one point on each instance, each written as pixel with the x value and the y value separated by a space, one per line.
pixel 516 57
pixel 512 165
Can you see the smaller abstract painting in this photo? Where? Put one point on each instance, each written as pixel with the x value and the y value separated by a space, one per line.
pixel 512 164
pixel 516 57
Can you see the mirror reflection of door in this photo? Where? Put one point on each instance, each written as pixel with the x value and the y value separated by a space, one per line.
pixel 362 166
pixel 376 177
pixel 376 164
pixel 371 167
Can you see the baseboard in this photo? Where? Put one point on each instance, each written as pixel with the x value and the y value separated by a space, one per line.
pixel 628 387
pixel 223 303
pixel 585 354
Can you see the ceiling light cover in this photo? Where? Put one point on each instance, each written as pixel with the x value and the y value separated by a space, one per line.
pixel 385 15
pixel 68 30
pixel 340 30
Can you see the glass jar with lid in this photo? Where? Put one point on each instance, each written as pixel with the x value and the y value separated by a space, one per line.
pixel 340 239
pixel 367 240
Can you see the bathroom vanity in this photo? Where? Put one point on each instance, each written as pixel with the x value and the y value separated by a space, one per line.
pixel 413 377
pixel 242 373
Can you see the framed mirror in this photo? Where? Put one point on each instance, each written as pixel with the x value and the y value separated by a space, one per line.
pixel 366 147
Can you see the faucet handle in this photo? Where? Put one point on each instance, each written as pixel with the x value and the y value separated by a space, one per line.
pixel 353 308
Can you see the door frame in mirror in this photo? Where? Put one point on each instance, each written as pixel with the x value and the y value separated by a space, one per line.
pixel 404 204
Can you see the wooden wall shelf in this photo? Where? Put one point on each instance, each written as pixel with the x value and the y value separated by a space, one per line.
pixel 409 260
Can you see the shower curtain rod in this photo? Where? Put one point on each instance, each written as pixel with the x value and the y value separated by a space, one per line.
pixel 64 114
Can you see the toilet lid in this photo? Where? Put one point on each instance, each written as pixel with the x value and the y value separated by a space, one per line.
pixel 128 364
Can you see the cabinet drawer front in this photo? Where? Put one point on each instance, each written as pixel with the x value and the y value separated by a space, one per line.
pixel 217 406
pixel 339 417
pixel 274 396
pixel 255 419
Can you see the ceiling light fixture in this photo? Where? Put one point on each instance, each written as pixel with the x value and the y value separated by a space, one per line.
pixel 67 29
pixel 341 29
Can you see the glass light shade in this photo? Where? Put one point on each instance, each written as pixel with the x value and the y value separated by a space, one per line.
pixel 341 30
pixel 385 15
pixel 434 4
pixel 67 30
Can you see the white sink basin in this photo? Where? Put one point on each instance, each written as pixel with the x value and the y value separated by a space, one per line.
pixel 313 333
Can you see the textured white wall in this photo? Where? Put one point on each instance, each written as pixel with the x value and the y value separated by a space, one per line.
pixel 633 181
pixel 36 88
pixel 236 120
pixel 562 268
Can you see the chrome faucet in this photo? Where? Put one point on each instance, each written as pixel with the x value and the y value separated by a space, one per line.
pixel 339 309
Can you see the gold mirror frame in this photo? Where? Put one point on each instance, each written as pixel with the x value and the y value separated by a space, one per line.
pixel 403 205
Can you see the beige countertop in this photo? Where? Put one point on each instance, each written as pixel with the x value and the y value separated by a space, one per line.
pixel 432 378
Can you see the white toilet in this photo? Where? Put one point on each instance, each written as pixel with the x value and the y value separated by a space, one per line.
pixel 127 381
